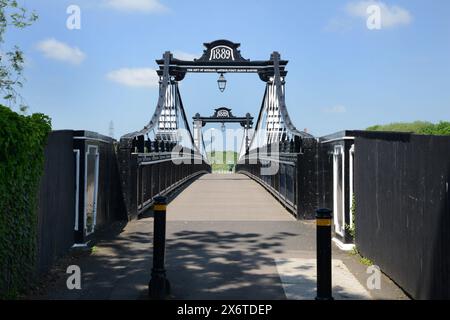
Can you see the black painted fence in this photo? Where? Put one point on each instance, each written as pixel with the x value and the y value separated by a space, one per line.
pixel 58 192
pixel 403 209
pixel 56 214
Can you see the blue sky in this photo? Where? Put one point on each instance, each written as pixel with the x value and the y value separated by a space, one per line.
pixel 341 74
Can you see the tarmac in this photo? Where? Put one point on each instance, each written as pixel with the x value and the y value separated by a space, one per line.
pixel 227 238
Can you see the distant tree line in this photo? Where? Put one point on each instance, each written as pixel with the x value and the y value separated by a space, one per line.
pixel 223 160
pixel 419 127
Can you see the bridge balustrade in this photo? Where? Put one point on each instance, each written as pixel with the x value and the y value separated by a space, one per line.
pixel 289 174
pixel 150 169
pixel 160 175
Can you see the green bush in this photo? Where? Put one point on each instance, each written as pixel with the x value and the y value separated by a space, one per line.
pixel 442 128
pixel 419 127
pixel 352 230
pixel 22 143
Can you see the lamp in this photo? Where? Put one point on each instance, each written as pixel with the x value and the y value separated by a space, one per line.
pixel 222 82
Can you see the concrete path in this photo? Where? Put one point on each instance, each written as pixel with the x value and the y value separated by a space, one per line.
pixel 227 238
pixel 230 239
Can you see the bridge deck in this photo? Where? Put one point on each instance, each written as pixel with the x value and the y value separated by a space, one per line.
pixel 226 197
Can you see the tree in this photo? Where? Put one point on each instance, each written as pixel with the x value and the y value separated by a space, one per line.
pixel 418 127
pixel 12 59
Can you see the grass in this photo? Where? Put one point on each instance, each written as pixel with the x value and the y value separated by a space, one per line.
pixel 363 260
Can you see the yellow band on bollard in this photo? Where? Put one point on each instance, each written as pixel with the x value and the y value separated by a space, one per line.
pixel 324 222
pixel 159 207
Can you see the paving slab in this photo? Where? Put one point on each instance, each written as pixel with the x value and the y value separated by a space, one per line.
pixel 298 276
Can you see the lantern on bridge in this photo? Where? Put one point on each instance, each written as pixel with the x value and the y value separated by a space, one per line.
pixel 222 82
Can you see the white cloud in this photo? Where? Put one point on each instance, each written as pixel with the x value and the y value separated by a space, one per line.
pixel 391 15
pixel 335 109
pixel 57 50
pixel 146 6
pixel 185 55
pixel 135 77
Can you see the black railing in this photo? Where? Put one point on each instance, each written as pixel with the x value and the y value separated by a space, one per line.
pixel 161 173
pixel 288 172
pixel 151 168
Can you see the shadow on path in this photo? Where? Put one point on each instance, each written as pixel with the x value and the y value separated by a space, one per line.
pixel 224 265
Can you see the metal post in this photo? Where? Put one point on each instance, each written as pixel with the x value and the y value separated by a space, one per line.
pixel 323 243
pixel 140 144
pixel 247 127
pixel 159 286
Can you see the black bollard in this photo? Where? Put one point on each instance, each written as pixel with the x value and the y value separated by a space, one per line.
pixel 159 286
pixel 323 243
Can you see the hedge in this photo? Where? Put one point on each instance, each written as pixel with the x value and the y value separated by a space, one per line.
pixel 22 143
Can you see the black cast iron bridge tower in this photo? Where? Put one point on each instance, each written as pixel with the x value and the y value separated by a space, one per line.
pixel 223 115
pixel 165 154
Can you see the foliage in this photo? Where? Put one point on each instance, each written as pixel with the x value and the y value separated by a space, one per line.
pixel 12 60
pixel 22 142
pixel 366 261
pixel 419 127
pixel 223 160
pixel 352 230
pixel 363 260
pixel 442 128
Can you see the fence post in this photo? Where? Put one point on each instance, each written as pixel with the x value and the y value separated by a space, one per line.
pixel 159 286
pixel 298 187
pixel 323 245
pixel 128 164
